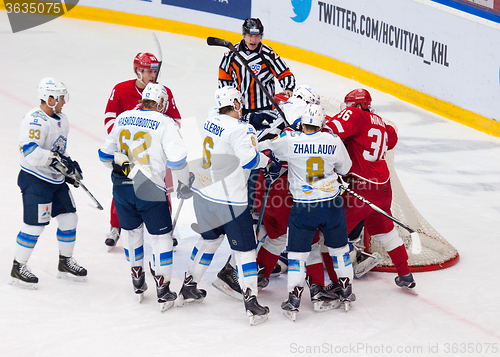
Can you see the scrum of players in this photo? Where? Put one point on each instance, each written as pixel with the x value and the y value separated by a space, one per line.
pixel 271 180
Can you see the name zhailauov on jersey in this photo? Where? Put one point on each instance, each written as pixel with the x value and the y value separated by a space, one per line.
pixel 314 149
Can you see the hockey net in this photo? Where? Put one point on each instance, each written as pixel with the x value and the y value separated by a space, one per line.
pixel 437 253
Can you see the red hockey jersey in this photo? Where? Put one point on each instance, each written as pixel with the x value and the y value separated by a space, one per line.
pixel 367 138
pixel 126 96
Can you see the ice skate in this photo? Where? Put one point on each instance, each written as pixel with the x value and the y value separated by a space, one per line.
pixel 69 269
pixel 22 276
pixel 406 282
pixel 166 298
pixel 190 292
pixel 262 280
pixel 365 263
pixel 227 281
pixel 139 282
pixel 257 313
pixel 291 306
pixel 112 237
pixel 322 300
pixel 346 295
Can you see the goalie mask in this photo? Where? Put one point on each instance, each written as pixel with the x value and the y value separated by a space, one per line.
pixel 314 114
pixel 306 93
pixel 359 96
pixel 156 92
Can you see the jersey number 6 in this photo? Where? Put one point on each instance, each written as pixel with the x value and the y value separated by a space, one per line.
pixel 145 142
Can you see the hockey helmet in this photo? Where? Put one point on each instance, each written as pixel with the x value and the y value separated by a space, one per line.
pixel 313 114
pixel 225 96
pixel 359 96
pixel 156 92
pixel 253 26
pixel 145 60
pixel 51 87
pixel 309 95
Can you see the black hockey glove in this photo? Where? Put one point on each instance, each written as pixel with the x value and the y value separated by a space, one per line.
pixel 66 166
pixel 272 170
pixel 261 119
pixel 72 181
pixel 184 191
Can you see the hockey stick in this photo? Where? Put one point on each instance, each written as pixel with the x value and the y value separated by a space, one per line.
pixel 99 207
pixel 174 223
pixel 160 56
pixel 214 41
pixel 416 246
pixel 261 215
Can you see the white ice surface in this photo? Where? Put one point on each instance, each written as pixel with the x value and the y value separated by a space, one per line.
pixel 450 172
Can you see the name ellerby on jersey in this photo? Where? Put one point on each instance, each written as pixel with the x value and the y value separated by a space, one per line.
pixel 142 122
pixel 214 128
pixel 314 149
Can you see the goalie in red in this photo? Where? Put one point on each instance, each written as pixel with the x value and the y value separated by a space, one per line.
pixel 368 138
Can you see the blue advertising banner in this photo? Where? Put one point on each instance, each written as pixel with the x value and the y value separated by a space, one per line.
pixel 238 9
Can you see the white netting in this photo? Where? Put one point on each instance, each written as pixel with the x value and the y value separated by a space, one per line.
pixel 436 253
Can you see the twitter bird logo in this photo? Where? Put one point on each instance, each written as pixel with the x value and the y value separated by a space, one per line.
pixel 302 9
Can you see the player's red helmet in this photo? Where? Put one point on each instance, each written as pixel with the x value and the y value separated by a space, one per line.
pixel 253 26
pixel 359 96
pixel 145 60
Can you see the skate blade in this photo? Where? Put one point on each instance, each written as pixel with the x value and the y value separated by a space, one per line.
pixel 23 284
pixel 222 286
pixel 181 302
pixel 256 319
pixel 140 296
pixel 164 306
pixel 291 315
pixel 326 305
pixel 409 291
pixel 69 276
pixel 347 305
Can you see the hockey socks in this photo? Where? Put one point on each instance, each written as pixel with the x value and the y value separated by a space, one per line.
pixel 26 241
pixel 247 270
pixel 267 260
pixel 202 255
pixel 296 269
pixel 162 254
pixel 399 258
pixel 342 262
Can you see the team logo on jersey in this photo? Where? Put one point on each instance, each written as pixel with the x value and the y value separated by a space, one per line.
pixel 307 189
pixel 255 68
pixel 60 144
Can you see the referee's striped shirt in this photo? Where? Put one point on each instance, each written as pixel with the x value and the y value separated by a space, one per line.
pixel 265 63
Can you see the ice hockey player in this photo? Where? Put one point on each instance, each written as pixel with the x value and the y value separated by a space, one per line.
pixel 221 200
pixel 368 138
pixel 46 168
pixel 265 63
pixel 315 159
pixel 127 96
pixel 142 143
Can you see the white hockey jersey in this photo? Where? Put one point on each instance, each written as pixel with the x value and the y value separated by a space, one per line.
pixel 314 160
pixel 148 138
pixel 229 153
pixel 293 109
pixel 39 135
